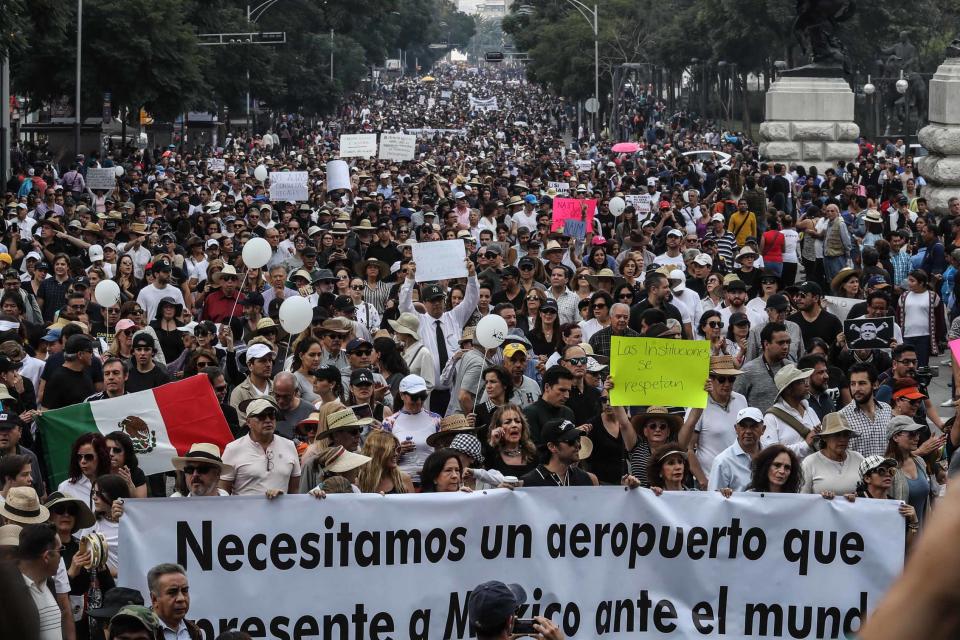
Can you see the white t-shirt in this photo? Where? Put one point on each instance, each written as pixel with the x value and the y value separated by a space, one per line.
pixel 250 474
pixel 150 296
pixel 916 315
pixel 676 261
pixel 716 429
pixel 790 241
pixel 47 608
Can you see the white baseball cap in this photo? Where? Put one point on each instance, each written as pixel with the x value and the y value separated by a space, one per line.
pixel 750 413
pixel 704 260
pixel 718 217
pixel 95 252
pixel 413 384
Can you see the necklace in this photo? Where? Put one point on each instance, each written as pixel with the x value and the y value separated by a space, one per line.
pixel 512 452
pixel 561 482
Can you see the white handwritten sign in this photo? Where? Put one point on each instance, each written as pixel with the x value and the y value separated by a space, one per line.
pixel 640 203
pixel 101 179
pixel 288 186
pixel 562 188
pixel 358 145
pixel 216 164
pixel 440 260
pixel 397 146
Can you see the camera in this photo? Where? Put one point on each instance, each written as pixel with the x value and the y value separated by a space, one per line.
pixel 924 375
pixel 524 625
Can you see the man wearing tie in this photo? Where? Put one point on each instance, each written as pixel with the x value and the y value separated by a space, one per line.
pixel 440 330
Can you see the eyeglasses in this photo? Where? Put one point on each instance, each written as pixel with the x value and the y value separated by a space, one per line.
pixel 362 352
pixel 201 469
pixel 78 307
pixel 86 457
pixel 715 325
pixel 908 361
pixel 724 379
pixel 657 426
pixel 579 361
pixel 116 450
pixel 268 413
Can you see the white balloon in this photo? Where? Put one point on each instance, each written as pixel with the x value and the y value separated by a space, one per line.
pixel 296 314
pixel 256 253
pixel 491 331
pixel 118 170
pixel 107 293
pixel 261 173
pixel 616 206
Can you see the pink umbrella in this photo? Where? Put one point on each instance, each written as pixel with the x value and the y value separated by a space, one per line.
pixel 626 147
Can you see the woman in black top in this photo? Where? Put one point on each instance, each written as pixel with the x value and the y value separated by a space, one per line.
pixel 546 335
pixel 498 384
pixel 509 449
pixel 166 326
pixel 612 436
pixel 123 462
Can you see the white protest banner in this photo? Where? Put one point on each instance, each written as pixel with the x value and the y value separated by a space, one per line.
pixel 601 562
pixel 584 165
pixel 429 131
pixel 358 145
pixel 445 95
pixel 562 188
pixel 840 307
pixel 288 186
pixel 338 175
pixel 101 179
pixel 397 146
pixel 483 104
pixel 459 84
pixel 421 98
pixel 440 260
pixel 640 203
pixel 216 164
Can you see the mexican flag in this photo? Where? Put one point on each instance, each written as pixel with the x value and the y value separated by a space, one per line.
pixel 162 422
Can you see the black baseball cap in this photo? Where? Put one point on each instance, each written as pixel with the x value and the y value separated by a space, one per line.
pixel 142 340
pixel 358 343
pixel 549 303
pixel 253 299
pixel 9 421
pixel 328 373
pixel 77 343
pixel 811 287
pixel 778 301
pixel 432 292
pixel 161 265
pixel 560 431
pixel 343 303
pixel 736 285
pixel 114 600
pixel 492 603
pixel 511 271
pixel 361 376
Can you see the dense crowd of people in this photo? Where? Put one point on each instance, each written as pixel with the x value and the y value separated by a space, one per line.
pixel 389 391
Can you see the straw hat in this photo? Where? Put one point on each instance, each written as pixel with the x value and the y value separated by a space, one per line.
pixel 201 453
pixel 84 518
pixel 343 420
pixel 449 427
pixel 408 323
pixel 10 535
pixel 23 507
pixel 724 366
pixel 339 460
pixel 746 252
pixel 641 419
pixel 835 423
pixel 842 276
pixel 788 375
pixel 605 273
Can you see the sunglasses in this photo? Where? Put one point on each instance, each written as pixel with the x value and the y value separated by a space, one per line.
pixel 357 288
pixel 362 352
pixel 65 510
pixel 220 389
pixel 116 449
pixel 203 469
pixel 269 413
pixel 599 306
pixel 127 332
pixel 86 457
pixel 417 397
pixel 136 312
pixel 625 296
pixel 228 278
pixel 551 312
pixel 204 363
pixel 578 361
pixel 715 325
pixel 724 379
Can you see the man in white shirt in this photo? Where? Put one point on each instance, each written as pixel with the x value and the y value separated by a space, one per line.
pixel 791 421
pixel 672 255
pixel 150 296
pixel 135 249
pixel 39 554
pixel 706 432
pixel 263 462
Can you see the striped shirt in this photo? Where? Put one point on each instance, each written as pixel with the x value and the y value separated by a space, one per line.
pixel 47 609
pixel 377 296
pixel 726 244
pixel 567 306
pixel 901 267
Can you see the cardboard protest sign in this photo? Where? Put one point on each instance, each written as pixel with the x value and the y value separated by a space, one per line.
pixel 562 188
pixel 104 179
pixel 358 145
pixel 584 165
pixel 397 146
pixel 639 202
pixel 216 164
pixel 440 260
pixel 657 371
pixel 868 333
pixel 288 186
pixel 573 216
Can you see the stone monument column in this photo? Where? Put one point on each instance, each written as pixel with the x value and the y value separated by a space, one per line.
pixel 941 169
pixel 809 120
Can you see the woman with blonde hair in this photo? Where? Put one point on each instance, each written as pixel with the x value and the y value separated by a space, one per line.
pixel 510 449
pixel 120 346
pixel 382 474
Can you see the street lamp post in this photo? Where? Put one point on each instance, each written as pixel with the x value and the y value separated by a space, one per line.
pixel 253 15
pixel 902 87
pixel 76 106
pixel 591 18
pixel 869 90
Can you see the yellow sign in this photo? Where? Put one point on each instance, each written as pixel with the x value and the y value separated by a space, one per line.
pixel 655 371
